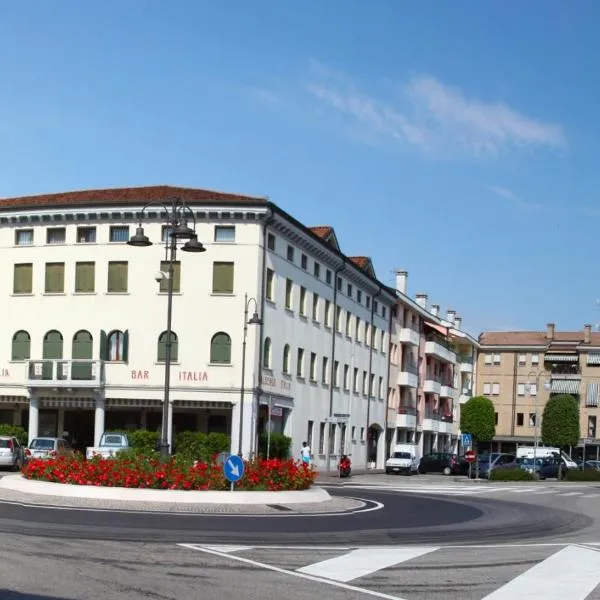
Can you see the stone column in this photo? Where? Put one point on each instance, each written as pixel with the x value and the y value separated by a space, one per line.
pixel 99 419
pixel 34 418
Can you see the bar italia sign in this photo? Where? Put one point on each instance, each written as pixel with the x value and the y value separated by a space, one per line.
pixel 191 376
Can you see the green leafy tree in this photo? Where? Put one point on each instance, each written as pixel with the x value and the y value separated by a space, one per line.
pixel 560 423
pixel 478 417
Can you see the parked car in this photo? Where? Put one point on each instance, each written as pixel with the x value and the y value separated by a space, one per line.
pixel 11 452
pixel 46 448
pixel 110 445
pixel 542 468
pixel 493 462
pixel 443 462
pixel 590 464
pixel 404 459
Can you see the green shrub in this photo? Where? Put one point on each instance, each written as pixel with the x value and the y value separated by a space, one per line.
pixel 16 431
pixel 143 440
pixel 194 445
pixel 587 475
pixel 511 475
pixel 279 446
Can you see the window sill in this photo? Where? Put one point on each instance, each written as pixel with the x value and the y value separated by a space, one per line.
pixel 57 244
pixel 167 293
pixel 158 363
pixel 116 293
pixel 269 369
pixel 303 317
pixel 85 294
pixel 222 294
pixel 289 311
pixel 19 294
pixel 301 378
pixel 271 302
pixel 115 362
pixel 220 365
pixel 54 294
pixel 84 243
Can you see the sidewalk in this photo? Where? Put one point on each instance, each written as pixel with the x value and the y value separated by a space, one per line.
pixel 326 477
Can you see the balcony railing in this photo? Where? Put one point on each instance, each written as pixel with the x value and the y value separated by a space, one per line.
pixel 466 359
pixel 438 339
pixel 407 410
pixel 432 413
pixel 65 373
pixel 431 376
pixel 410 368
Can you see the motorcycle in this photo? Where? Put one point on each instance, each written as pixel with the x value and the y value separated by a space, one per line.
pixel 345 466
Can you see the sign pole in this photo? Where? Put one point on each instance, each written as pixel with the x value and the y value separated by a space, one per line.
pixel 232 485
pixel 269 430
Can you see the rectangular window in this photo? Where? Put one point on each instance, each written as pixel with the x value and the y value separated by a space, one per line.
pixel 300 363
pixel 495 389
pixel 359 296
pixel 164 283
pixel 383 311
pixel 304 261
pixel 119 233
pixel 357 329
pixel 380 388
pixel 85 277
pixel 23 237
pixel 348 324
pixel 496 417
pixel 317 270
pixel 368 301
pixel 384 345
pixel 164 233
pixel 313 366
pixel 487 389
pixel 289 288
pixel 222 278
pixel 520 389
pixel 118 275
pixel 327 313
pixel 371 385
pixel 520 420
pixel 535 359
pixel 328 277
pixel 271 242
pixel 339 284
pixel 332 429
pixel 355 381
pixel 488 359
pixel 55 278
pixel 591 427
pixel 346 377
pixel 56 235
pixel 496 359
pixel 315 308
pixel 532 419
pixel 290 253
pixel 367 338
pixel 225 233
pixel 86 235
pixel 349 290
pixel 364 383
pixel 302 308
pixel 533 389
pixel 321 438
pixel 309 434
pixel 336 373
pixel 325 370
pixel 270 285
pixel 338 319
pixel 522 359
pixel 23 278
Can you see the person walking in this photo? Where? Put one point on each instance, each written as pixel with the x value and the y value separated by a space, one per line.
pixel 305 453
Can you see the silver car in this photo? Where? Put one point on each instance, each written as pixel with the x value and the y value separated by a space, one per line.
pixel 46 447
pixel 11 452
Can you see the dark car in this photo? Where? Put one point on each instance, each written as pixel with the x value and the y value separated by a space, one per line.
pixel 494 462
pixel 443 462
pixel 542 468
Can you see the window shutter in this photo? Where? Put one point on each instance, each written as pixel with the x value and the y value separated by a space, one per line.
pixel 126 345
pixel 117 277
pixel 164 283
pixel 223 278
pixel 85 277
pixel 161 354
pixel 103 345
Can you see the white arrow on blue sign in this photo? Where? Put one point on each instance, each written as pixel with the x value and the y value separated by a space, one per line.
pixel 233 468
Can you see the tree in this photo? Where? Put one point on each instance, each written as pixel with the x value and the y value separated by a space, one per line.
pixel 560 424
pixel 478 417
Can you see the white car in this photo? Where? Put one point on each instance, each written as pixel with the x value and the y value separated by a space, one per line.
pixel 11 452
pixel 404 459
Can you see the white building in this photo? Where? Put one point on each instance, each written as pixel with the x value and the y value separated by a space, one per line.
pixel 84 321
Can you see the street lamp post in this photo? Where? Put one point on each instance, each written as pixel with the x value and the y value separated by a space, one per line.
pixel 177 229
pixel 255 320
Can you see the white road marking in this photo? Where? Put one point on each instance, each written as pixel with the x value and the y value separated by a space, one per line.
pixel 591 496
pixel 572 494
pixel 570 574
pixel 360 563
pixel 228 549
pixel 306 576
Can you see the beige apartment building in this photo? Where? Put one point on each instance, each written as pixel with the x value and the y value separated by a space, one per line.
pixel 519 370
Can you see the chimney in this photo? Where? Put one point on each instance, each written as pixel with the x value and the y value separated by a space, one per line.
pixel 450 315
pixel 421 300
pixel 587 334
pixel 401 277
pixel 550 331
pixel 457 322
pixel 435 310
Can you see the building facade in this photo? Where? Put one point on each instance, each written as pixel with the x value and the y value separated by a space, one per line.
pixel 519 371
pixel 85 316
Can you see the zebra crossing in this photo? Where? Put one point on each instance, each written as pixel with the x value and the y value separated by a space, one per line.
pixel 552 571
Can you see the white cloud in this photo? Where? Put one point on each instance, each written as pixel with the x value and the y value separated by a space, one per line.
pixel 434 117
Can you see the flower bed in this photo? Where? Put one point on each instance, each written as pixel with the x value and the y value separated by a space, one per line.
pixel 150 473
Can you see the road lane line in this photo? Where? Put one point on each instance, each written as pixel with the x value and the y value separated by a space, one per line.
pixel 363 562
pixel 572 494
pixel 570 574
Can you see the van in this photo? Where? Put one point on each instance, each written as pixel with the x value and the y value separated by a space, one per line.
pixel 546 452
pixel 404 459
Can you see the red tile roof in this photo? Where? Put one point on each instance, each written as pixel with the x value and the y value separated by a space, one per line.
pixel 533 338
pixel 323 231
pixel 360 261
pixel 124 196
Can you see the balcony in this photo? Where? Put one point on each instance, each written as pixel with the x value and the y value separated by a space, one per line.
pixel 432 384
pixel 447 390
pixel 65 373
pixel 408 335
pixel 406 417
pixel 437 346
pixel 465 363
pixel 572 372
pixel 465 395
pixel 408 376
pixel 431 422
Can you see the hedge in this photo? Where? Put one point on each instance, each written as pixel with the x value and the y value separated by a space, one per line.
pixel 511 475
pixel 14 431
pixel 587 475
pixel 194 445
pixel 279 446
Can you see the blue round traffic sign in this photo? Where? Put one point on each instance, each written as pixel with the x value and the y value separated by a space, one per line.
pixel 233 468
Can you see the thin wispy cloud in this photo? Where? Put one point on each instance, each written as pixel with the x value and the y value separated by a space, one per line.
pixel 434 117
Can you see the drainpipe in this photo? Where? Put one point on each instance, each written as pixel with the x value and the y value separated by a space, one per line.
pixel 258 390
pixel 421 331
pixel 514 398
pixel 370 373
pixel 387 395
pixel 337 271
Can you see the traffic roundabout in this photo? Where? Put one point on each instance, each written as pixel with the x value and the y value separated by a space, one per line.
pixel 342 516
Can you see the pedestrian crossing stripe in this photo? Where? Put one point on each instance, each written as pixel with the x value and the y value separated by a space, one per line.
pixel 568 572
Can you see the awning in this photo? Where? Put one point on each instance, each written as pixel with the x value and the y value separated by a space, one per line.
pixel 565 386
pixel 550 357
pixel 438 328
pixel 14 400
pixel 593 358
pixel 61 402
pixel 593 393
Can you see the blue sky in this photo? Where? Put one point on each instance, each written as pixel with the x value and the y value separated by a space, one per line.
pixel 456 140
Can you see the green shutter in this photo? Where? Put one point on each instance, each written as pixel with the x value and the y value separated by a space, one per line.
pixel 53 346
pixel 23 277
pixel 85 277
pixel 220 349
pixel 125 356
pixel 117 277
pixel 174 347
pixel 164 283
pixel 21 346
pixel 103 345
pixel 55 278
pixel 161 354
pixel 223 278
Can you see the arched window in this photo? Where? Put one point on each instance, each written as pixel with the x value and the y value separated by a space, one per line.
pixel 53 345
pixel 267 353
pixel 220 349
pixel 161 355
pixel 286 359
pixel 82 345
pixel 117 346
pixel 21 346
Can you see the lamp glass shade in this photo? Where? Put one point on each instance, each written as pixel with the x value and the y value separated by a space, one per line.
pixel 193 245
pixel 255 320
pixel 139 239
pixel 182 231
